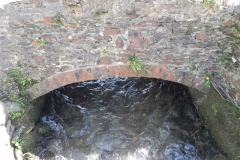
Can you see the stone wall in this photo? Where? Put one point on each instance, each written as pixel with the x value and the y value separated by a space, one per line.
pixel 44 38
pixel 58 42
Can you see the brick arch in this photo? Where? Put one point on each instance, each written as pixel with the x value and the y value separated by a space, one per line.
pixel 113 71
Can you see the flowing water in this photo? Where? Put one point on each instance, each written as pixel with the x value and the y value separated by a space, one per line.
pixel 123 119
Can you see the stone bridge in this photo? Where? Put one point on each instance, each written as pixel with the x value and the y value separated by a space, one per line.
pixel 59 42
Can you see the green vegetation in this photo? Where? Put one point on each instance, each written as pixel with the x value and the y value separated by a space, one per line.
pixel 213 107
pixel 75 21
pixel 19 144
pixel 41 41
pixel 40 130
pixel 21 97
pixel 236 39
pixel 21 79
pixel 207 82
pixel 212 3
pixel 236 35
pixel 58 19
pixel 220 91
pixel 15 115
pixel 193 65
pixel 105 52
pixel 224 58
pixel 221 28
pixel 136 64
pixel 234 30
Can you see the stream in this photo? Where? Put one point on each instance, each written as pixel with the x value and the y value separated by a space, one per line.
pixel 123 119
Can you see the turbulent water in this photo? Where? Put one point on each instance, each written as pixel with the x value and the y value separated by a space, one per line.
pixel 123 119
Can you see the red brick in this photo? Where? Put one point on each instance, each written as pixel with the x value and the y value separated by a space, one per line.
pixel 136 40
pixel 177 62
pixel 34 43
pixel 214 67
pixel 111 71
pixel 105 72
pixel 73 25
pixel 130 51
pixel 119 42
pixel 80 41
pixel 52 84
pixel 159 71
pixel 48 20
pixel 197 80
pixel 170 75
pixel 67 2
pixel 169 56
pixel 104 61
pixel 69 77
pixel 48 37
pixel 118 70
pixel 201 37
pixel 154 71
pixel 60 79
pixel 111 32
pixel 228 23
pixel 87 74
pixel 38 58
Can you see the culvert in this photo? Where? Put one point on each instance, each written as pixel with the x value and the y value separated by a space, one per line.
pixel 121 118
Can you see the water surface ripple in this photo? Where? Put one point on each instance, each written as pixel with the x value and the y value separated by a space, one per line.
pixel 124 119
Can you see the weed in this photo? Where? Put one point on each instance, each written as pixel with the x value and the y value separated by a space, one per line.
pixel 14 73
pixel 41 41
pixel 15 115
pixel 15 97
pixel 19 144
pixel 105 52
pixel 193 66
pixel 221 28
pixel 75 21
pixel 19 78
pixel 224 59
pixel 236 39
pixel 22 97
pixel 136 64
pixel 207 82
pixel 211 3
pixel 24 80
pixel 234 30
pixel 58 19
pixel 213 107
pixel 40 130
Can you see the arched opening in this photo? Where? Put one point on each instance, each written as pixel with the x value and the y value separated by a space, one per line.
pixel 132 118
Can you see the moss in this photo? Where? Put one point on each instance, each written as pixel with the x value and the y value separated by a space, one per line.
pixel 222 120
pixel 8 81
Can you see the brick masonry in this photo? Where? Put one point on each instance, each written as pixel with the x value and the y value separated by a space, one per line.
pixel 179 41
pixel 113 71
